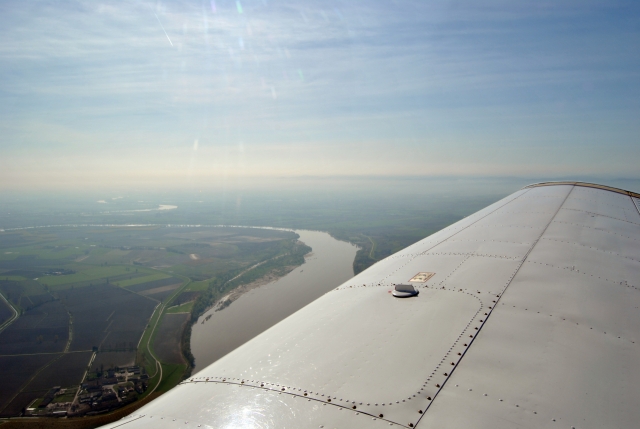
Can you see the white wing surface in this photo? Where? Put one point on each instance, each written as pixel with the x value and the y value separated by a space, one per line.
pixel 527 317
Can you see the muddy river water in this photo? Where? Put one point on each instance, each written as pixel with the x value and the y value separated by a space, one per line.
pixel 329 265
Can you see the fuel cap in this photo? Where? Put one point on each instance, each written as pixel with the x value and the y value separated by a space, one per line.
pixel 405 291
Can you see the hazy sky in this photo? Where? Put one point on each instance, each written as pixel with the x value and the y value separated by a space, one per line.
pixel 97 93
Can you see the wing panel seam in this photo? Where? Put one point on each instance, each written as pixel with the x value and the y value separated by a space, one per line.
pixel 592 248
pixel 603 215
pixel 596 229
pixel 622 283
pixel 457 232
pixel 498 300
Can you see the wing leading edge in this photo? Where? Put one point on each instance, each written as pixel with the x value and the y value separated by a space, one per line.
pixel 527 317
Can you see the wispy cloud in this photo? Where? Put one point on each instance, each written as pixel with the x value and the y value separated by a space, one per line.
pixel 321 87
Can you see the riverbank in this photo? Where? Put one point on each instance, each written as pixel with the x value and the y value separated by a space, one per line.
pixel 224 289
pixel 236 293
pixel 269 277
pixel 262 303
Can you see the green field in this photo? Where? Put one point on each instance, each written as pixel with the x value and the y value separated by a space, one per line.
pixel 145 356
pixel 182 308
pixel 76 268
pixel 198 286
pixel 171 375
pixel 14 278
pixel 88 274
pixel 67 396
pixel 137 280
pixel 33 287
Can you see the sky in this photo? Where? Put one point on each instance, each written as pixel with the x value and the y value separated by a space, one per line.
pixel 194 93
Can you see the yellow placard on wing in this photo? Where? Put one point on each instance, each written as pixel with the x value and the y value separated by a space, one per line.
pixel 422 277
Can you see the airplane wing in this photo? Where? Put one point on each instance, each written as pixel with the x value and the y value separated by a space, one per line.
pixel 527 316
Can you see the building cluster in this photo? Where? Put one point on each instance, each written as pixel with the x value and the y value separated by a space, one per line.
pixel 49 406
pixel 115 388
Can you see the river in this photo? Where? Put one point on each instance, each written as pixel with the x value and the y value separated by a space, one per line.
pixel 330 265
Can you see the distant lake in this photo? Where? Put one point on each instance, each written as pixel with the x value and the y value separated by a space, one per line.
pixel 330 265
